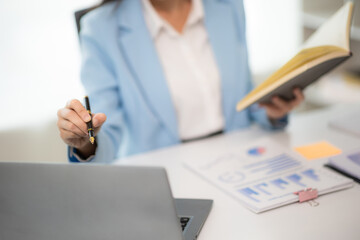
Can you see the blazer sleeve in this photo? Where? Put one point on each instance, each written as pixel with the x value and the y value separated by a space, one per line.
pixel 255 112
pixel 101 85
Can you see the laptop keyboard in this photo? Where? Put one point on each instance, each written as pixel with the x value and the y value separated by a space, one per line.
pixel 184 222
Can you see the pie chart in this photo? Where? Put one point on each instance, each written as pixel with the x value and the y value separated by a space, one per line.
pixel 257 151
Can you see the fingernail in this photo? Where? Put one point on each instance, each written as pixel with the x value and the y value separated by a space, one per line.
pixel 86 117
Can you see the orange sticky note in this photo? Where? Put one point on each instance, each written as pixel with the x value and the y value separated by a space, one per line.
pixel 318 150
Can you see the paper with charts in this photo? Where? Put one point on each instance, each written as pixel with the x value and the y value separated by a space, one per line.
pixel 264 175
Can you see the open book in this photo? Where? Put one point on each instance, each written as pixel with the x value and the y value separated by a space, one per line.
pixel 324 50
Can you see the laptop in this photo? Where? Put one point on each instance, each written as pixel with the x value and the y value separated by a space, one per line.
pixel 41 201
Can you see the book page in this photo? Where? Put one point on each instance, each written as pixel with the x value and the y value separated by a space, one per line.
pixel 335 31
pixel 330 41
pixel 304 57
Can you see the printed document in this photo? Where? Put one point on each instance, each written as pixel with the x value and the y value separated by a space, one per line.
pixel 264 175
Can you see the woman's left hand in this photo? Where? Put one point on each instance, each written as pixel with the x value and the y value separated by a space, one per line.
pixel 278 108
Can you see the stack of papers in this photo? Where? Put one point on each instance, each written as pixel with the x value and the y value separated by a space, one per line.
pixel 264 175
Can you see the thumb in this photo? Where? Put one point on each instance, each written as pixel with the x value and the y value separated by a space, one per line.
pixel 98 119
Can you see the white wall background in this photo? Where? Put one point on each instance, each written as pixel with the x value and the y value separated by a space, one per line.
pixel 39 59
pixel 274 30
pixel 39 54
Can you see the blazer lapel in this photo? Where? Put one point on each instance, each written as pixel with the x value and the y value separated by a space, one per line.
pixel 140 54
pixel 223 32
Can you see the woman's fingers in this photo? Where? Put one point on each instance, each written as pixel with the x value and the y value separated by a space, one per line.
pixel 279 107
pixel 299 97
pixel 98 119
pixel 73 117
pixel 272 111
pixel 282 105
pixel 72 122
pixel 287 106
pixel 76 105
pixel 65 134
pixel 71 127
pixel 271 108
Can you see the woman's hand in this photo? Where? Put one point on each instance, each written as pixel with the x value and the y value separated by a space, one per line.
pixel 278 108
pixel 72 121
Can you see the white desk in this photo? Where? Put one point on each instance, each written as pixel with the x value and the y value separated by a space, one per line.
pixel 337 216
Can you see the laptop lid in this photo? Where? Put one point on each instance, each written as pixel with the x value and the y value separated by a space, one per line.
pixel 85 201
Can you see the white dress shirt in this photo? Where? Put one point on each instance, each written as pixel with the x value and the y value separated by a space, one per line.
pixel 190 70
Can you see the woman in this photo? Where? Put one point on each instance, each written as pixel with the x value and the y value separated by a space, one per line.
pixel 162 72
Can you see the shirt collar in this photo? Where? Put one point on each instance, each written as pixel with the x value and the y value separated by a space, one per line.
pixel 196 13
pixel 156 23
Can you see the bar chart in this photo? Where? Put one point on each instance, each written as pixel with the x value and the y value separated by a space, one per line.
pixel 264 175
pixel 279 186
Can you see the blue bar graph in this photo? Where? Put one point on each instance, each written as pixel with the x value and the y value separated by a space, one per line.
pixel 295 178
pixel 265 162
pixel 261 187
pixel 284 167
pixel 231 177
pixel 276 164
pixel 248 192
pixel 310 173
pixel 279 183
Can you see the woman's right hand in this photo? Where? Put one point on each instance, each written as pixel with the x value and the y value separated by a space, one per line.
pixel 72 121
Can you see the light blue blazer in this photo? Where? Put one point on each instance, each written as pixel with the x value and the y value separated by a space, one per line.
pixel 124 79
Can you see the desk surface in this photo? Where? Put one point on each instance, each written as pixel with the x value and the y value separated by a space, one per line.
pixel 337 216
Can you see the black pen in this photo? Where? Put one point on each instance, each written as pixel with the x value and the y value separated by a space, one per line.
pixel 89 123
